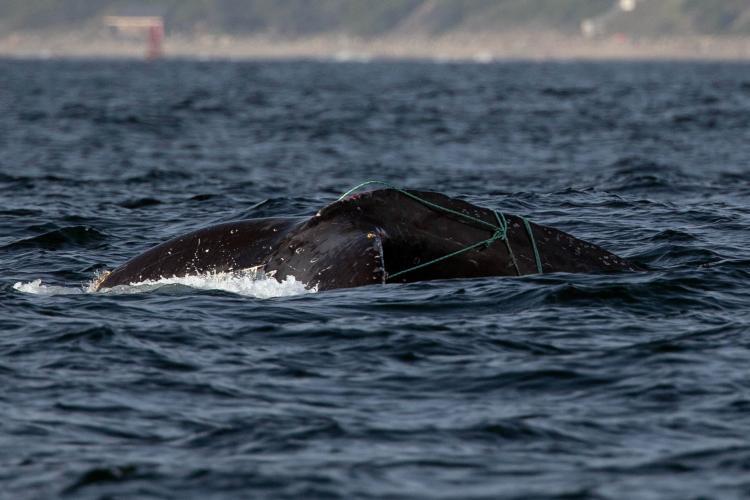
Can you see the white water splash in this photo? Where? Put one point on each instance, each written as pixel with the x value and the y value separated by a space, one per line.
pixel 37 288
pixel 248 283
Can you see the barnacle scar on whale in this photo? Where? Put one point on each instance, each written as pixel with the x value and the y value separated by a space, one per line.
pixel 382 236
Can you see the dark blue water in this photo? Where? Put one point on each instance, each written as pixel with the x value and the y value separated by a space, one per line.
pixel 554 386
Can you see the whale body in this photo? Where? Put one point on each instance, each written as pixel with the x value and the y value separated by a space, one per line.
pixel 371 238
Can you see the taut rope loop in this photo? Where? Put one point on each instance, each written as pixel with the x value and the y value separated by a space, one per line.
pixel 500 231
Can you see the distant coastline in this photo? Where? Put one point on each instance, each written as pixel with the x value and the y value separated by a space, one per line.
pixel 479 47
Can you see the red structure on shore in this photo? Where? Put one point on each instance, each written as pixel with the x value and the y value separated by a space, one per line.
pixel 152 26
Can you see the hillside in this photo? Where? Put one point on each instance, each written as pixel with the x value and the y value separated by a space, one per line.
pixel 293 18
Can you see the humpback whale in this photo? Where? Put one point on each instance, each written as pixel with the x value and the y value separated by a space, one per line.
pixel 374 237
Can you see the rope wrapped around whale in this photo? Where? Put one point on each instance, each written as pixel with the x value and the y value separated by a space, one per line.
pixel 500 231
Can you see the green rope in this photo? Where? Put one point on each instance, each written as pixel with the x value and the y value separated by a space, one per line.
pixel 504 223
pixel 500 231
pixel 420 200
pixel 533 246
pixel 486 242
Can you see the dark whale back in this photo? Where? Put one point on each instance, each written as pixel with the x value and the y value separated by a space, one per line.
pixel 408 233
pixel 225 247
pixel 366 239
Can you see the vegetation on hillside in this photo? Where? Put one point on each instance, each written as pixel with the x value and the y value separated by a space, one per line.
pixel 375 17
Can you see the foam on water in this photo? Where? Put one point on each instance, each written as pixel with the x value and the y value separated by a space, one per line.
pixel 252 284
pixel 36 287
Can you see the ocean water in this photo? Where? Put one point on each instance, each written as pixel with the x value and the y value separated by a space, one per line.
pixel 633 385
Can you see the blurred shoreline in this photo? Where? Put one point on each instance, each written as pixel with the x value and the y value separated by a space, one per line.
pixel 478 47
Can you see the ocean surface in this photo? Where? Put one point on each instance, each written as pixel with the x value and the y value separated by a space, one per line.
pixel 633 385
